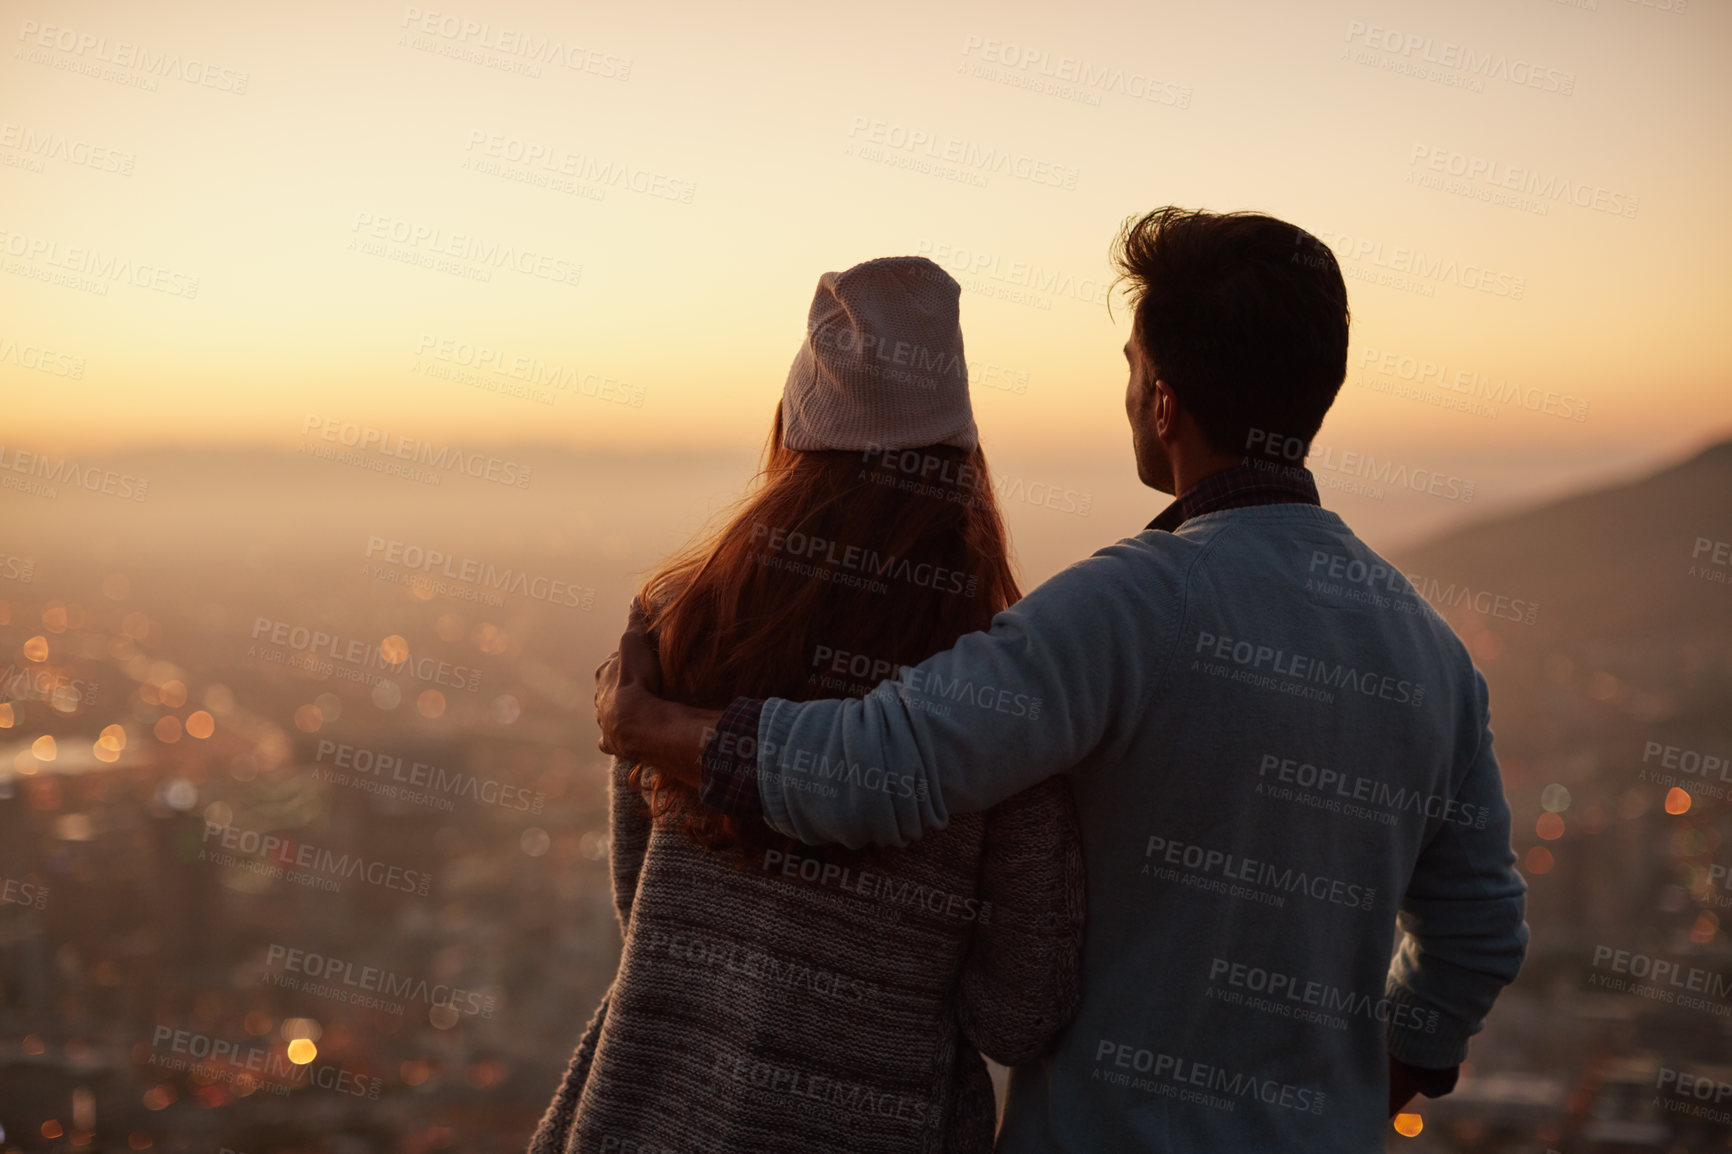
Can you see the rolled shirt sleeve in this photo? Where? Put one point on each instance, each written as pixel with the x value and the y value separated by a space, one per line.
pixel 728 780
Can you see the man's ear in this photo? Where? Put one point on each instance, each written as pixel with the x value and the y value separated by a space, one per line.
pixel 1166 410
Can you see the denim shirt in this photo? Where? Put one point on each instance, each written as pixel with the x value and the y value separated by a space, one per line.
pixel 1296 837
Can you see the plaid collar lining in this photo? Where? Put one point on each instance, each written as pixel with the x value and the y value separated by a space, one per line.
pixel 1237 487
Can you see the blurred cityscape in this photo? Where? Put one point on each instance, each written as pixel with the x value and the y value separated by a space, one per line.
pixel 1604 630
pixel 303 839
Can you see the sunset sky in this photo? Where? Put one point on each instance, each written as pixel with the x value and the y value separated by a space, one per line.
pixel 696 167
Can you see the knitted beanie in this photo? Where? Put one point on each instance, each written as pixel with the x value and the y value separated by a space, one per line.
pixel 882 364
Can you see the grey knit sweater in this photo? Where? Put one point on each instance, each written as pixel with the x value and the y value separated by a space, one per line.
pixel 822 999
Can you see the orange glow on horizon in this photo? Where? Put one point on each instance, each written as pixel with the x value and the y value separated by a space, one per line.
pixel 440 250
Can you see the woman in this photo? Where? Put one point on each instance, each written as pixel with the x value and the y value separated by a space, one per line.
pixel 773 996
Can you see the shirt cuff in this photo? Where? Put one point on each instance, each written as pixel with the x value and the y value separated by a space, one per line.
pixel 1419 1034
pixel 728 782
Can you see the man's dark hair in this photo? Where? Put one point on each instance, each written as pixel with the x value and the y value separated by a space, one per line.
pixel 1242 315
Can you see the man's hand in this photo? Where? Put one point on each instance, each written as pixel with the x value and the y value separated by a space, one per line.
pixel 1402 1087
pixel 1406 1081
pixel 631 673
pixel 636 724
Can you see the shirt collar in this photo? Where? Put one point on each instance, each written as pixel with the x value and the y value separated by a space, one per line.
pixel 1238 486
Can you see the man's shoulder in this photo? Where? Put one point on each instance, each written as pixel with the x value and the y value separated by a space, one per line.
pixel 1121 578
pixel 1149 552
pixel 1149 561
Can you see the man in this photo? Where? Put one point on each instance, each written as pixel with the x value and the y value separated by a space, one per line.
pixel 1280 755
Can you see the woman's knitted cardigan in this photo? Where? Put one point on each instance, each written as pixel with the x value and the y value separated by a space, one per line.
pixel 820 999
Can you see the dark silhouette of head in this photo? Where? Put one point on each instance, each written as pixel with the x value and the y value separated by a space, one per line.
pixel 1239 337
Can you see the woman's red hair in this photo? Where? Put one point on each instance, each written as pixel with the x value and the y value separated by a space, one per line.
pixel 914 555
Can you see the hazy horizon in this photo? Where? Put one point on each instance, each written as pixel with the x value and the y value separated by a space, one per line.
pixel 1544 255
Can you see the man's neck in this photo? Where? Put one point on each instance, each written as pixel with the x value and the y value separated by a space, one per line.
pixel 1188 474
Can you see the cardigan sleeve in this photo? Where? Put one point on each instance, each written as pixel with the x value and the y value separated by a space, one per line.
pixel 629 822
pixel 553 1134
pixel 1020 983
